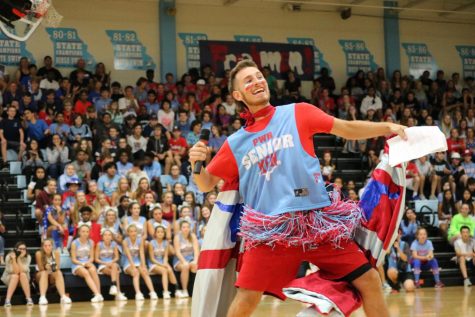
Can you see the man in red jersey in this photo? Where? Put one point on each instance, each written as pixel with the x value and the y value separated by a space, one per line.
pixel 280 183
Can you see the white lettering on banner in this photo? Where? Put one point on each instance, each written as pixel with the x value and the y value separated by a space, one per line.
pixel 263 150
pixel 228 59
pixel 271 59
pixel 295 62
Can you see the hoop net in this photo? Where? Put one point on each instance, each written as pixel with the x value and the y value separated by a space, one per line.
pixel 45 9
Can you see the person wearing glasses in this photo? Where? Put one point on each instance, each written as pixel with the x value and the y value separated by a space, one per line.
pixel 17 270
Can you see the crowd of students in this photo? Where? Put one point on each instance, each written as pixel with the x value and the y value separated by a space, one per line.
pixel 109 177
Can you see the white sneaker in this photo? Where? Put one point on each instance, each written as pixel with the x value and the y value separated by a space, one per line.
pixel 422 197
pixel 139 296
pixel 166 295
pixel 120 297
pixel 43 301
pixel 66 300
pixel 153 296
pixel 467 282
pixel 97 298
pixel 185 294
pixel 386 287
pixel 113 290
pixel 432 197
pixel 179 293
pixel 29 302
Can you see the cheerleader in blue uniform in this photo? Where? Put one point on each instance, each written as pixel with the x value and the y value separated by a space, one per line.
pixel 137 220
pixel 82 258
pixel 133 262
pixel 107 256
pixel 158 250
pixel 187 253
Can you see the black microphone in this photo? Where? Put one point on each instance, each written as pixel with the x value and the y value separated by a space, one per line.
pixel 204 137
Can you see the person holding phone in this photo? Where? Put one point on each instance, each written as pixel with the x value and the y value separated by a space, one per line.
pixel 17 270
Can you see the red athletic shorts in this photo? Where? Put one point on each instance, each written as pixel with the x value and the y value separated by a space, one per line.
pixel 269 269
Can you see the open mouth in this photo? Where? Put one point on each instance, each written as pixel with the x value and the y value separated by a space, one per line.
pixel 258 91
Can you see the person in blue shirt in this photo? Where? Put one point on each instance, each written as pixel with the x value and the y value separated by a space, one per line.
pixel 37 129
pixel 108 182
pixel 183 122
pixel 27 102
pixel 409 226
pixel 152 167
pixel 194 135
pixel 104 101
pixel 123 164
pixel 168 181
pixel 59 127
pixel 152 104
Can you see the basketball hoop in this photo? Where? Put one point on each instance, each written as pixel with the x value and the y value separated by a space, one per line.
pixel 20 18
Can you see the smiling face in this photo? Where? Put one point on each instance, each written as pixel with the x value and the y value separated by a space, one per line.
pixel 251 87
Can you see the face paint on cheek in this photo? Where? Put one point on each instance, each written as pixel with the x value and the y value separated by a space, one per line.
pixel 249 86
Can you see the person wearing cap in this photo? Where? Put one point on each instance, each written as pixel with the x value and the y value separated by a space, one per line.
pixel 202 93
pixel 69 173
pixel 69 196
pixel 151 125
pixel 94 227
pixel 468 165
pixel 457 170
pixel 178 147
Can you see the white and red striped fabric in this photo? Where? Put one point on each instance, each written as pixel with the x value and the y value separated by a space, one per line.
pixel 214 284
pixel 383 205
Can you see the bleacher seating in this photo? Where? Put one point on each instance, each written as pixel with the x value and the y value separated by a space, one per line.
pixel 22 226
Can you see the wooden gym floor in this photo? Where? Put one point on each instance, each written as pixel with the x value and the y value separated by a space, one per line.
pixel 447 302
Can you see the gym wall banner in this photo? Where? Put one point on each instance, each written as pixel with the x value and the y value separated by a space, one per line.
pixel 317 54
pixel 192 48
pixel 129 53
pixel 467 55
pixel 280 58
pixel 357 56
pixel 12 50
pixel 420 59
pixel 68 48
pixel 248 38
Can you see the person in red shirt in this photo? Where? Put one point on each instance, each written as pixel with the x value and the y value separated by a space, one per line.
pixel 95 228
pixel 68 113
pixel 326 103
pixel 280 262
pixel 413 179
pixel 455 143
pixel 45 198
pixel 82 104
pixel 178 146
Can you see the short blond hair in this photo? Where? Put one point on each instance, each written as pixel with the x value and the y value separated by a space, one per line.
pixel 245 63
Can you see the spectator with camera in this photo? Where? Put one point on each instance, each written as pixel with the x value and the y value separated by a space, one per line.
pixel 48 272
pixel 17 271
